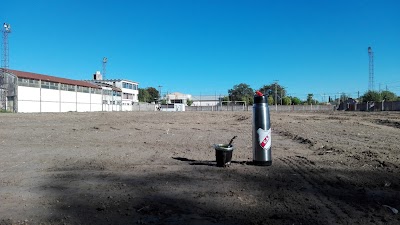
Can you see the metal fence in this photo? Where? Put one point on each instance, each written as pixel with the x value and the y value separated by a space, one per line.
pixel 218 108
pixel 284 108
pixel 141 106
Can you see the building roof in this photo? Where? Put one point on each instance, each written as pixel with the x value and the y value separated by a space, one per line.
pixel 118 80
pixel 36 76
pixel 206 97
pixel 108 85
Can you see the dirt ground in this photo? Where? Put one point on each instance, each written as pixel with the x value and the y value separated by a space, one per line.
pixel 159 168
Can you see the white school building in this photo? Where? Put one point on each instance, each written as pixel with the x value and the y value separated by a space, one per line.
pixel 42 93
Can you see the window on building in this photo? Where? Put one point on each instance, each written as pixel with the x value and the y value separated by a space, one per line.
pixel 85 89
pixel 129 86
pixel 45 84
pixel 23 82
pixel 71 87
pixel 176 101
pixel 106 92
pixel 53 85
pixel 33 83
pixel 127 96
pixel 64 87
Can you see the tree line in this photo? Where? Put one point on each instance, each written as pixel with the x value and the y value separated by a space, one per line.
pixel 277 94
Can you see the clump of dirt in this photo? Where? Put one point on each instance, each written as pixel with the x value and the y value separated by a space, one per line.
pixel 297 138
pixel 389 123
pixel 242 117
pixel 370 154
pixel 337 118
pixel 329 150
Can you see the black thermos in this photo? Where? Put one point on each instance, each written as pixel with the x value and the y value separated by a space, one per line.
pixel 261 131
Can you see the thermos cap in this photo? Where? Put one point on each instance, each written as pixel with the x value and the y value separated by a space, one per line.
pixel 260 99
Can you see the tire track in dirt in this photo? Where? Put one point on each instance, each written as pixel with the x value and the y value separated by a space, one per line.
pixel 334 185
pixel 307 170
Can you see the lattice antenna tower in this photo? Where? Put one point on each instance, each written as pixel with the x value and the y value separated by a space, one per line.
pixel 5 30
pixel 104 62
pixel 371 69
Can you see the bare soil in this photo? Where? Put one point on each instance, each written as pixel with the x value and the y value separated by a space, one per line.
pixel 159 168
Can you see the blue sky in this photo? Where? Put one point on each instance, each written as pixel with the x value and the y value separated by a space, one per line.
pixel 208 46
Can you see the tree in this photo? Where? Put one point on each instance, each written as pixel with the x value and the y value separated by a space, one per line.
pixel 189 102
pixel 388 96
pixel 270 100
pixel 371 96
pixel 144 96
pixel 225 100
pixel 241 92
pixel 310 99
pixel 154 93
pixel 296 101
pixel 270 90
pixel 286 100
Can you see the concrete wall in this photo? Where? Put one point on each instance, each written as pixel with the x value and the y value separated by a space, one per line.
pixel 141 106
pixel 374 106
pixel 28 99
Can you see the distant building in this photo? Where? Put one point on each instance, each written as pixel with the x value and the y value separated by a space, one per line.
pixel 177 98
pixel 348 105
pixel 206 100
pixel 43 93
pixel 173 107
pixel 32 92
pixel 129 89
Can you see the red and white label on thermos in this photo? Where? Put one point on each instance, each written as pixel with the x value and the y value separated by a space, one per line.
pixel 264 138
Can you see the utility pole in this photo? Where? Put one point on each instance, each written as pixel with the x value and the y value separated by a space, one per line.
pixel 104 62
pixel 159 93
pixel 276 95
